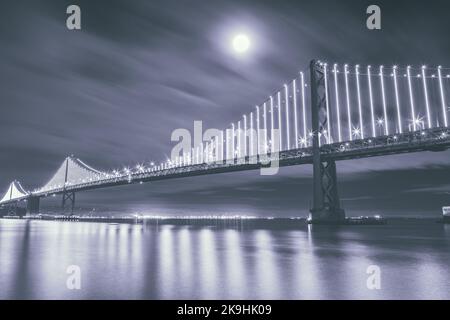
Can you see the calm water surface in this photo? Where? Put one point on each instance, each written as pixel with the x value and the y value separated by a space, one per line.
pixel 187 262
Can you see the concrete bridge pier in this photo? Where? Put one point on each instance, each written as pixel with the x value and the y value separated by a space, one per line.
pixel 326 204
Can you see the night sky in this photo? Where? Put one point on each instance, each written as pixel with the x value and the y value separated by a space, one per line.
pixel 113 92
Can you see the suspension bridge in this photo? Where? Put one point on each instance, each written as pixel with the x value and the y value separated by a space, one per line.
pixel 335 112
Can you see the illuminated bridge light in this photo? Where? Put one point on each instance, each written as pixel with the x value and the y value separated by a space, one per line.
pixel 258 134
pixel 294 93
pixel 361 126
pixel 417 123
pixel 356 132
pixel 252 146
pixel 288 139
pixel 233 135
pixel 372 112
pixel 272 125
pixel 327 105
pixel 265 137
pixel 280 133
pixel 425 90
pixel 244 117
pixel 383 96
pixel 303 142
pixel 442 94
pixel 338 111
pixel 347 96
pixel 397 100
pixel 302 82
pixel 239 137
pixel 411 98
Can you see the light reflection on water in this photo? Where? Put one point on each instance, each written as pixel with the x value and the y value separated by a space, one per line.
pixel 186 262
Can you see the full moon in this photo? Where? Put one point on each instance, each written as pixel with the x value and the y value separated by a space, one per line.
pixel 241 43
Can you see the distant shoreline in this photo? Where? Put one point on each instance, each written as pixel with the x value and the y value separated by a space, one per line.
pixel 236 221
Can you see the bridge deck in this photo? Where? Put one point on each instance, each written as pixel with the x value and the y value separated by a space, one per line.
pixel 437 139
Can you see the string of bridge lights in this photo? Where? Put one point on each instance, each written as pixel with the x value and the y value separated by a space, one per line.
pixel 238 147
pixel 359 132
pixel 266 132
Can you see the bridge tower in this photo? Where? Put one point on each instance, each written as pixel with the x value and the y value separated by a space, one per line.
pixel 67 195
pixel 326 204
pixel 33 204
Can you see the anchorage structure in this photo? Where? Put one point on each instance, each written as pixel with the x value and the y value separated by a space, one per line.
pixel 350 112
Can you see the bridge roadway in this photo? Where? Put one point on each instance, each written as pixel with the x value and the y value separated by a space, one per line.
pixel 436 139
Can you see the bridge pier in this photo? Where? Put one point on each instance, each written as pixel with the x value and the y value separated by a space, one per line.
pixel 326 204
pixel 33 205
pixel 68 196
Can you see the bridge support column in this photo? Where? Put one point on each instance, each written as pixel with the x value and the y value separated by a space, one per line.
pixel 327 208
pixel 68 196
pixel 33 204
pixel 326 205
